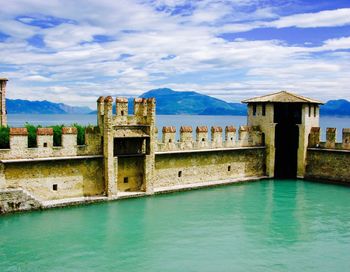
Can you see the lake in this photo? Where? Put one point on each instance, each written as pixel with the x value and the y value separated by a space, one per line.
pixel 165 120
pixel 271 225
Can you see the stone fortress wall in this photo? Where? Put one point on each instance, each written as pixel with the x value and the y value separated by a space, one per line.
pixel 329 160
pixel 122 157
pixel 49 173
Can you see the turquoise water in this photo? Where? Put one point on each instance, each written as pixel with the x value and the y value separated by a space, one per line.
pixel 260 226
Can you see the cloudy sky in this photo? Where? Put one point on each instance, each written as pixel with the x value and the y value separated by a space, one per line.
pixel 74 51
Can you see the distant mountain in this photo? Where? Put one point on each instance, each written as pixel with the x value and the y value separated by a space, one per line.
pixel 168 102
pixel 336 107
pixel 172 102
pixel 19 106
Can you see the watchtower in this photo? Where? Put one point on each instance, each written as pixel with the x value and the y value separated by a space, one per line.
pixel 3 114
pixel 286 120
pixel 128 144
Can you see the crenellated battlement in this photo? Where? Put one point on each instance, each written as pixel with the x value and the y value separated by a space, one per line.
pixel 331 139
pixel 144 111
pixel 248 137
pixel 45 148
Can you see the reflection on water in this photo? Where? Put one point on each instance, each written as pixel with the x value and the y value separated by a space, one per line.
pixel 281 225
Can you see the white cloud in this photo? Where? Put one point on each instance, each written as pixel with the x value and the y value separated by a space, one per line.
pixel 325 18
pixel 75 70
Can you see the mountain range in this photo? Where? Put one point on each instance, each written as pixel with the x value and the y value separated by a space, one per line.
pixel 168 102
pixel 19 106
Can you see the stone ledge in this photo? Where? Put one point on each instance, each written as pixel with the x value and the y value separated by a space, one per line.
pixel 193 186
pixel 51 159
pixel 329 150
pixel 209 150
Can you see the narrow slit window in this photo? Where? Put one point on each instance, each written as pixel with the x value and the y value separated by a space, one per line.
pixel 54 187
pixel 263 109
pixel 170 140
pixel 126 180
pixel 309 110
pixel 122 113
pixel 229 168
pixel 315 110
pixel 179 174
pixel 254 109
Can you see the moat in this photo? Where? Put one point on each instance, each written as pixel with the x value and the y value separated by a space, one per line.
pixel 270 225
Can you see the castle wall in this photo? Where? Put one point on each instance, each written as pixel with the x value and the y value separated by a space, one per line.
pixel 204 166
pixel 73 178
pixel 329 165
pixel 130 173
pixel 328 160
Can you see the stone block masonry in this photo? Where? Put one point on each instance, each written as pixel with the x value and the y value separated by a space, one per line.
pixel 122 157
pixel 328 160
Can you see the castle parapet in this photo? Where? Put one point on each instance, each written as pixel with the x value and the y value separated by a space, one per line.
pixel 121 104
pixel 230 136
pixel 144 112
pixel 202 137
pixel 69 138
pixel 346 138
pixel 244 135
pixel 314 137
pixel 169 138
pixel 93 140
pixel 331 136
pixel 250 137
pixel 331 139
pixel 186 139
pixel 45 148
pixel 18 139
pixel 140 106
pixel 216 136
pixel 44 141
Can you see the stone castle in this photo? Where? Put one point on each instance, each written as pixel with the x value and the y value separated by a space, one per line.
pixel 122 156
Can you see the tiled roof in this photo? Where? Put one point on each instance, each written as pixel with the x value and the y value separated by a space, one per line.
pixel 282 97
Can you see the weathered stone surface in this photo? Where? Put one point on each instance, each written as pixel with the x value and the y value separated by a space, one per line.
pixel 73 178
pixel 185 168
pixel 12 200
pixel 328 165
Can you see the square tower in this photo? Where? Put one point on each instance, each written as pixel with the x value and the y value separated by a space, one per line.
pixel 286 120
pixel 3 113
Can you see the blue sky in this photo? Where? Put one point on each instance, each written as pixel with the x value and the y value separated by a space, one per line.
pixel 74 51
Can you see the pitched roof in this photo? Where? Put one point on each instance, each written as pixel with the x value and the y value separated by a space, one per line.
pixel 282 97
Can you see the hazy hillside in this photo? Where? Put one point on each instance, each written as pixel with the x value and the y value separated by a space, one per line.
pixel 336 107
pixel 18 106
pixel 172 102
pixel 168 102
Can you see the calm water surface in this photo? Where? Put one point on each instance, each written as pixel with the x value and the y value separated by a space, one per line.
pixel 165 120
pixel 261 226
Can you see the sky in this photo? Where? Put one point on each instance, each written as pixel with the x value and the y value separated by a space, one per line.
pixel 75 51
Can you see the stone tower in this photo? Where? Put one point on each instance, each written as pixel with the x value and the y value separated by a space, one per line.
pixel 286 120
pixel 128 144
pixel 3 114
